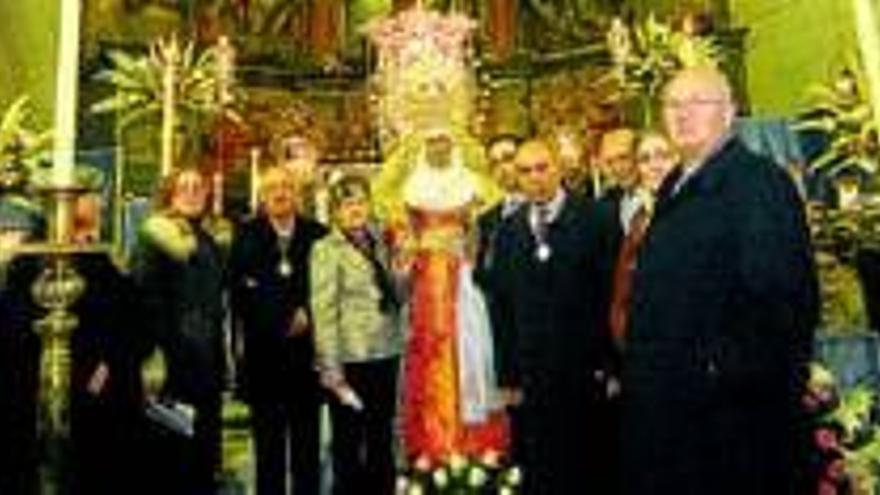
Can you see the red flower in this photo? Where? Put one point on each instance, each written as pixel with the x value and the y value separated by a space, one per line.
pixel 835 470
pixel 826 439
pixel 827 488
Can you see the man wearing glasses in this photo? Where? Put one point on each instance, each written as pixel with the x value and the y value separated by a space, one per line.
pixel 723 308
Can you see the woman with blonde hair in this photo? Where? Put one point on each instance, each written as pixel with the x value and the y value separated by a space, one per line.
pixel 179 269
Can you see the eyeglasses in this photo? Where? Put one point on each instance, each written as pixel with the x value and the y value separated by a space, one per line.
pixel 688 103
pixel 655 155
pixel 531 168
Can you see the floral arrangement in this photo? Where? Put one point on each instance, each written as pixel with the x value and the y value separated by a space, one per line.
pixel 21 147
pixel 845 454
pixel 840 109
pixel 647 54
pixel 461 475
pixel 424 75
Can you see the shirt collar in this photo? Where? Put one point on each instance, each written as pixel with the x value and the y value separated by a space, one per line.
pixel 554 206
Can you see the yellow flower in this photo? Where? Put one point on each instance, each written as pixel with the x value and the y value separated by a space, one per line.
pixel 477 477
pixel 513 476
pixel 415 489
pixel 491 458
pixel 401 485
pixel 457 463
pixel 441 477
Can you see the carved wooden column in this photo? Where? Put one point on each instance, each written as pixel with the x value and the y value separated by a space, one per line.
pixel 501 24
pixel 403 4
pixel 326 28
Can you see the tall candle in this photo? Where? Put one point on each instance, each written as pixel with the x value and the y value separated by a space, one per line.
pixel 64 153
pixel 869 46
pixel 255 178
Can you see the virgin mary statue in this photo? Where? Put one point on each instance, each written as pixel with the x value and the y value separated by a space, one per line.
pixel 431 188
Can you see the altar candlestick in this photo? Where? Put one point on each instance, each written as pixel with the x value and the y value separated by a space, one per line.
pixel 869 46
pixel 255 178
pixel 64 151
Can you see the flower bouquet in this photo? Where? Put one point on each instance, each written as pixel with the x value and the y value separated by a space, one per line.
pixel 483 475
pixel 845 437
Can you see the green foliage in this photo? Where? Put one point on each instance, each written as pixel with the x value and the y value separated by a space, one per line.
pixel 648 53
pixel 840 109
pixel 843 308
pixel 18 141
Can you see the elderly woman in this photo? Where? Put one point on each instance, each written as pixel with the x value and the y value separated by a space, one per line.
pixel 179 269
pixel 358 339
pixel 269 278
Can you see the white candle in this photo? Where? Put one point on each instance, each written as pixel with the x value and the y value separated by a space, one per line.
pixel 255 178
pixel 64 153
pixel 869 46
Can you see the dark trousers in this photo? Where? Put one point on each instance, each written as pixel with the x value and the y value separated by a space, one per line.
pixel 363 461
pixel 176 464
pixel 287 430
pixel 207 446
pixel 561 445
pixel 105 449
pixel 19 378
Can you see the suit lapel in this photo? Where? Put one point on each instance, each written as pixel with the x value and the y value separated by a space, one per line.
pixel 704 180
pixel 523 239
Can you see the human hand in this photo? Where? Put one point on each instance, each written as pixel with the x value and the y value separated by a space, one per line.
pixel 612 387
pixel 332 378
pixel 511 396
pixel 98 380
pixel 299 325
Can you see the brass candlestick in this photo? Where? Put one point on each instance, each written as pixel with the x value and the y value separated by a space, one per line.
pixel 56 289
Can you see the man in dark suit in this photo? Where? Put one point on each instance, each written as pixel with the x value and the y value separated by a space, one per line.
pixel 269 277
pixel 550 298
pixel 501 152
pixel 722 313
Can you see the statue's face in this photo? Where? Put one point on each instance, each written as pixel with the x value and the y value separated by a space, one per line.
pixel 438 151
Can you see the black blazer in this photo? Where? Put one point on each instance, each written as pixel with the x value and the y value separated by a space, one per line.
pixel 722 317
pixel 549 318
pixel 264 302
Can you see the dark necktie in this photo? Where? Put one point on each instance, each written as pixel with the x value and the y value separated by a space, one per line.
pixel 623 275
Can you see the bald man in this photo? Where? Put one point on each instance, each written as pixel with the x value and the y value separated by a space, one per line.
pixel 722 315
pixel 549 300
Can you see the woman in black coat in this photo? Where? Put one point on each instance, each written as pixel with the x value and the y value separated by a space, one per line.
pixel 179 270
pixel 269 280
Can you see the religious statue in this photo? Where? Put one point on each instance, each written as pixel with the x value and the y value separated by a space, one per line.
pixel 432 188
